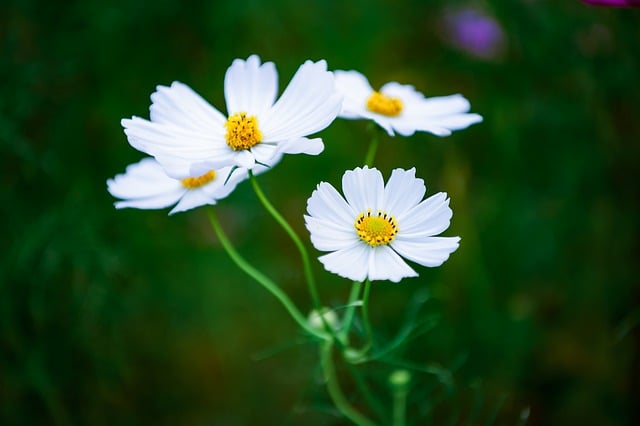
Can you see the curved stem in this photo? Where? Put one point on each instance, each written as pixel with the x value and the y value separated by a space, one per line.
pixel 296 240
pixel 333 387
pixel 267 283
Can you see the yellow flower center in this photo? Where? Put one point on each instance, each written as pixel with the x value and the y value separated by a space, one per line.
pixel 196 182
pixel 376 230
pixel 385 105
pixel 242 131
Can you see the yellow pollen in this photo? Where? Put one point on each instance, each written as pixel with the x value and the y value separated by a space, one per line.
pixel 376 230
pixel 242 131
pixel 196 182
pixel 385 105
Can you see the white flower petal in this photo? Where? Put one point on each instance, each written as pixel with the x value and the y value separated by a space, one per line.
pixel 266 165
pixel 356 90
pixel 192 199
pixel 151 203
pixel 329 236
pixel 407 124
pixel 444 105
pixel 385 122
pixel 265 153
pixel 309 104
pixel 451 122
pixel 223 184
pixel 145 186
pixel 181 106
pixel 403 191
pixel 175 147
pixel 142 180
pixel 250 87
pixel 385 264
pixel 430 217
pixel 327 203
pixel 363 189
pixel 301 146
pixel 351 262
pixel 430 251
pixel 405 92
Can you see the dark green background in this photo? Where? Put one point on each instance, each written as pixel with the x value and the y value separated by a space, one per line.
pixel 133 317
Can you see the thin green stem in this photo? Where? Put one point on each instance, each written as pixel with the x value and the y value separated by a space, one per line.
pixel 311 283
pixel 365 314
pixel 267 283
pixel 357 356
pixel 351 309
pixel 296 240
pixel 370 398
pixel 373 147
pixel 333 387
pixel 400 407
pixel 399 381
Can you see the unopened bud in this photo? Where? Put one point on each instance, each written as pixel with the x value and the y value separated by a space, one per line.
pixel 315 319
pixel 399 379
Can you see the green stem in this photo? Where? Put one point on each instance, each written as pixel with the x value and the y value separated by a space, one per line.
pixel 357 356
pixel 365 314
pixel 296 240
pixel 373 147
pixel 400 407
pixel 399 381
pixel 351 309
pixel 371 399
pixel 267 283
pixel 333 387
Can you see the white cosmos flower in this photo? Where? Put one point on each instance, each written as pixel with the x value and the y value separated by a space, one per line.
pixel 145 185
pixel 399 108
pixel 188 136
pixel 374 226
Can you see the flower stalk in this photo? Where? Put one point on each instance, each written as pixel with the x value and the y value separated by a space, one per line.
pixel 262 279
pixel 304 255
pixel 373 146
pixel 333 387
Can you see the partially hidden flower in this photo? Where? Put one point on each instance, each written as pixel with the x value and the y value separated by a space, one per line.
pixel 145 185
pixel 399 108
pixel 614 3
pixel 374 226
pixel 188 136
pixel 473 31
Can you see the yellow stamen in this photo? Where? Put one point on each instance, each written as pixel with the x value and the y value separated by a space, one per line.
pixel 196 182
pixel 385 105
pixel 242 131
pixel 376 230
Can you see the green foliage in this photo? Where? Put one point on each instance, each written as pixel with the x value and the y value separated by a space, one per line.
pixel 133 317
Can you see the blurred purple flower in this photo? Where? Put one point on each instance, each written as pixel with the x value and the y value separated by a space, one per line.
pixel 614 3
pixel 474 32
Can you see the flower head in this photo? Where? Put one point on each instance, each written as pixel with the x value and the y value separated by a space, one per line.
pixel 371 228
pixel 188 136
pixel 474 31
pixel 614 3
pixel 400 108
pixel 145 185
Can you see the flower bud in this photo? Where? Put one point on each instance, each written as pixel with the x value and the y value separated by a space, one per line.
pixel 315 319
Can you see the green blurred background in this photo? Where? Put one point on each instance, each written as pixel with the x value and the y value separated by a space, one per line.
pixel 132 317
